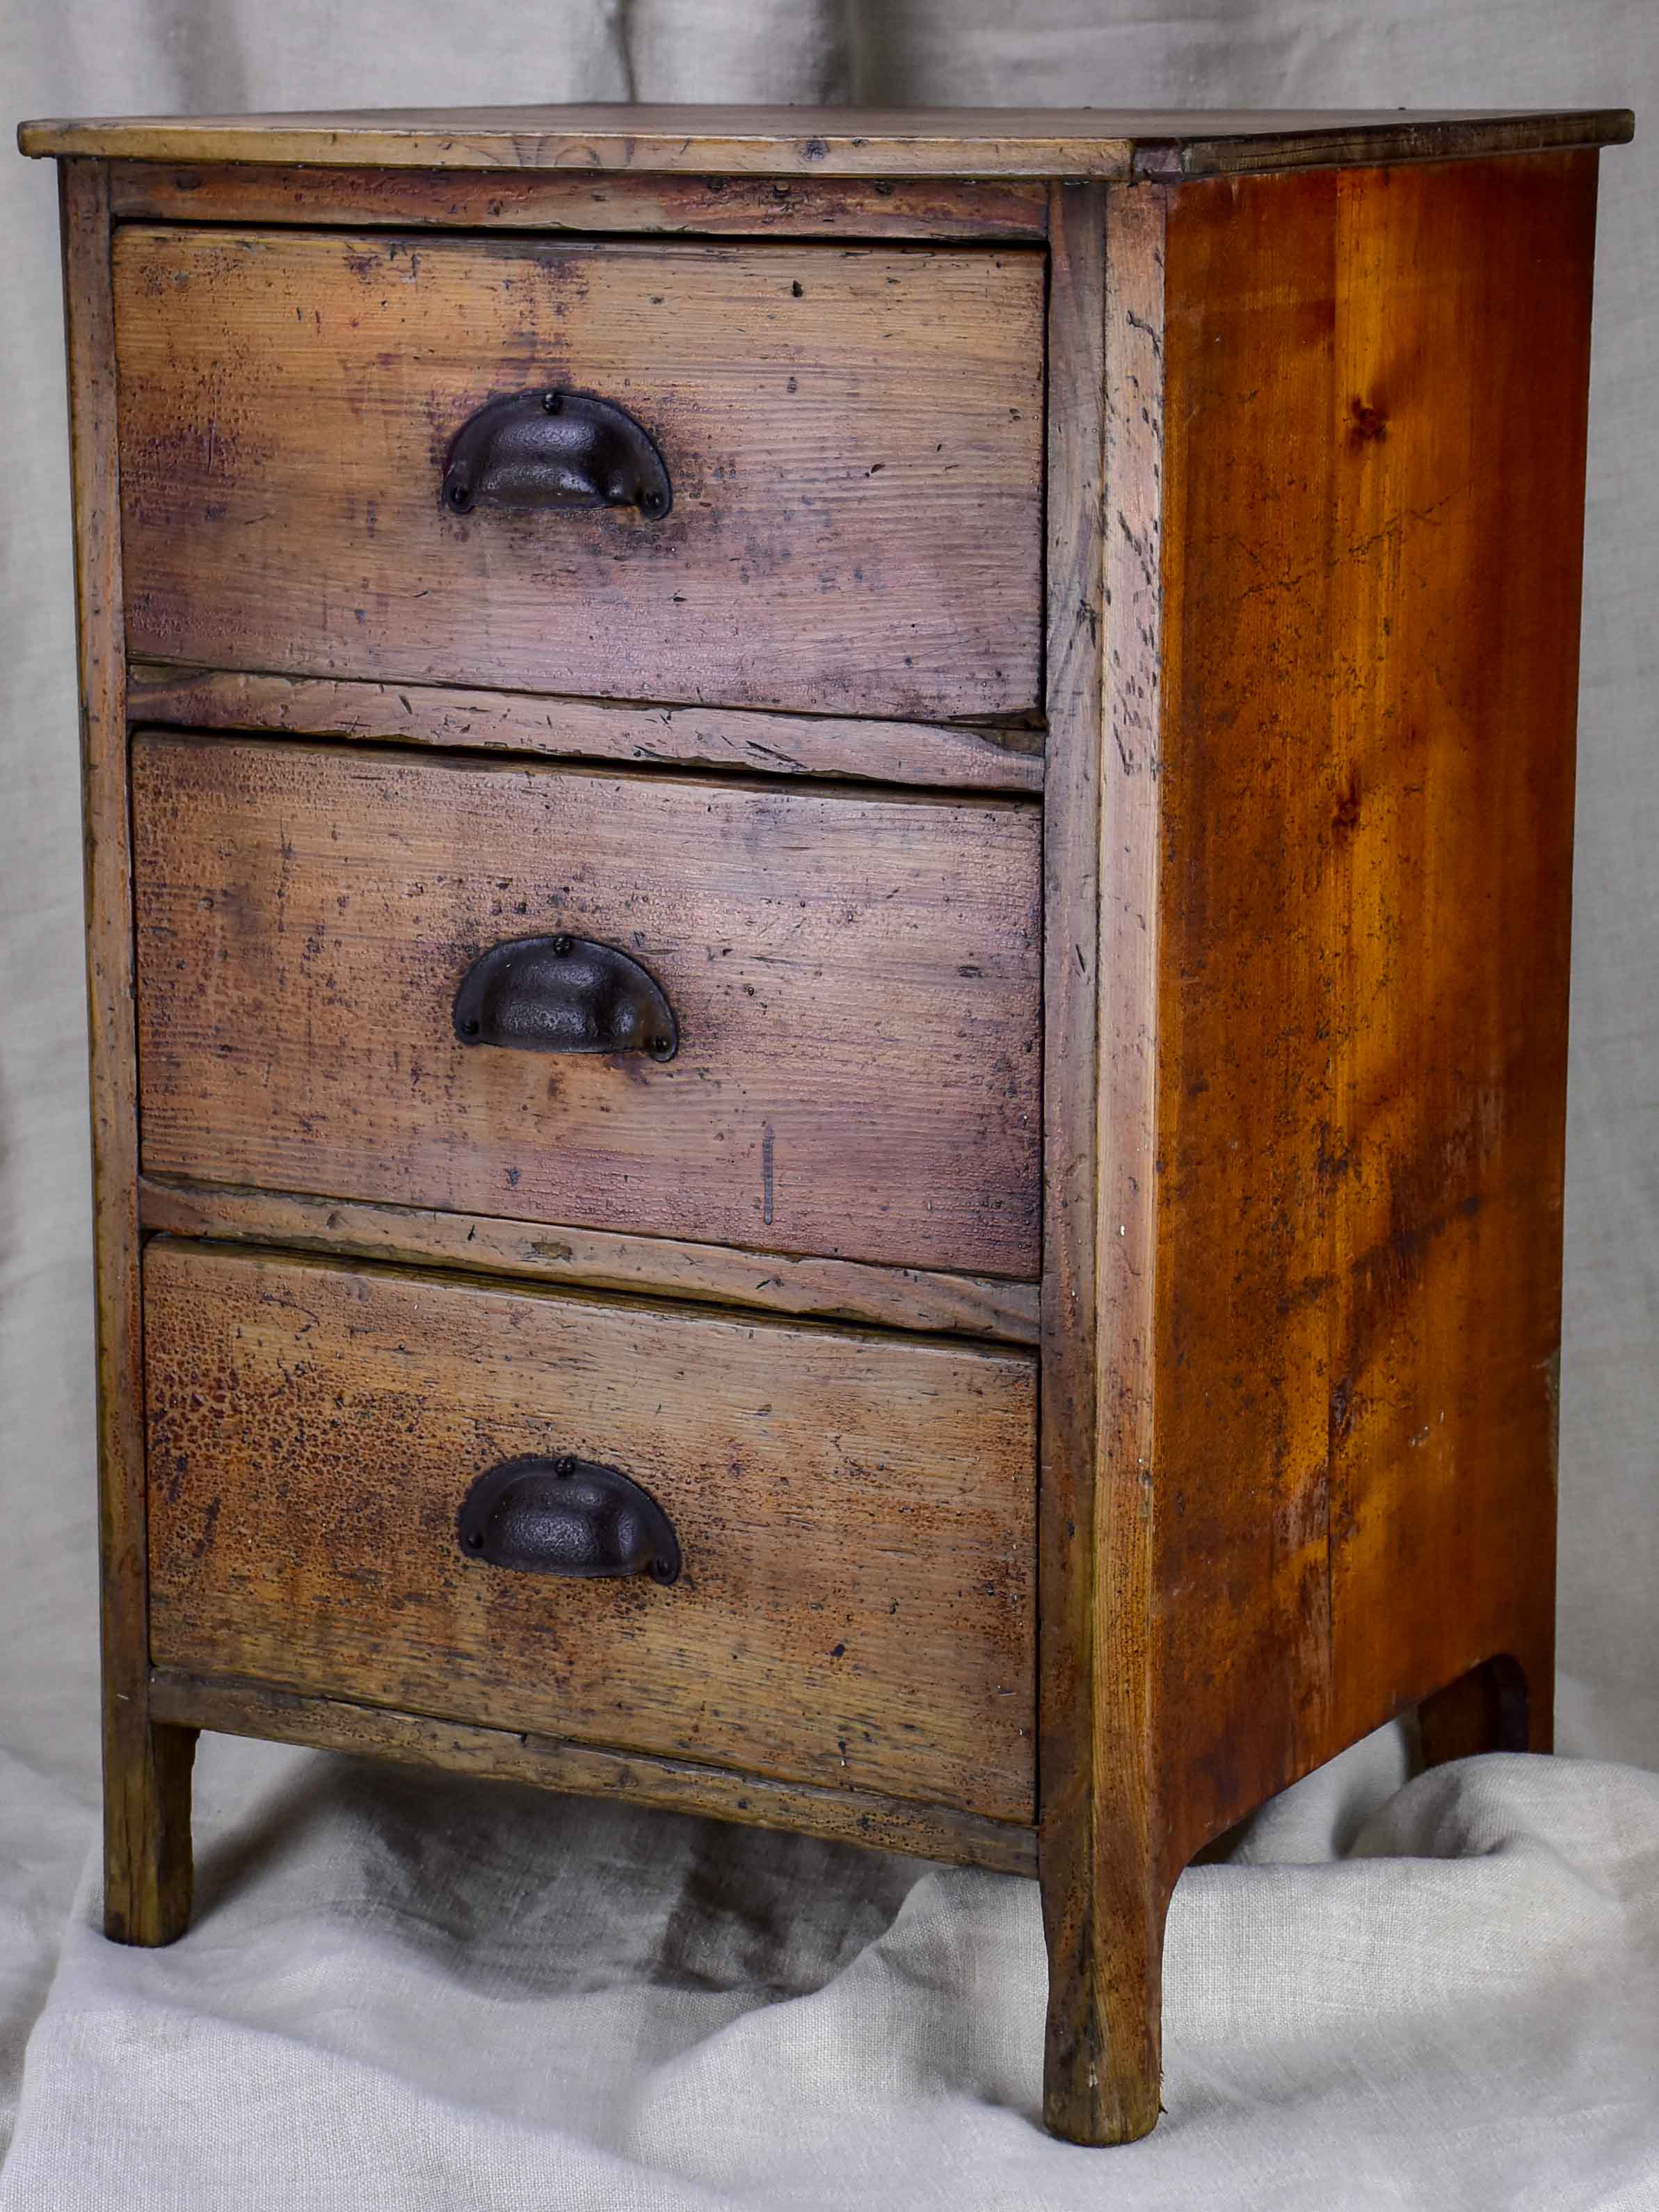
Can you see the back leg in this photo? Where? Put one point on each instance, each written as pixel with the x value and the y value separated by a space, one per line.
pixel 1492 1708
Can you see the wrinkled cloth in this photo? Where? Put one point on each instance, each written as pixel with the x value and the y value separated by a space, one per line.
pixel 420 1993
pixel 410 1991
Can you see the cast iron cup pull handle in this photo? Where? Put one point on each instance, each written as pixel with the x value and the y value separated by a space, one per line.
pixel 554 449
pixel 567 1517
pixel 564 994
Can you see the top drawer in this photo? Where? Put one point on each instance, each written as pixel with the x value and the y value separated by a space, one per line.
pixel 853 437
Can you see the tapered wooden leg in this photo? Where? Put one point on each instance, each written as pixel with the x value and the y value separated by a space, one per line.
pixel 1102 2061
pixel 147 1870
pixel 1494 1707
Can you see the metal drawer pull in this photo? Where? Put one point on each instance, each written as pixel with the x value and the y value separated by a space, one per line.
pixel 564 994
pixel 567 1517
pixel 554 449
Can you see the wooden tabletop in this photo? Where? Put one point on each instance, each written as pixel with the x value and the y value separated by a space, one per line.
pixel 832 141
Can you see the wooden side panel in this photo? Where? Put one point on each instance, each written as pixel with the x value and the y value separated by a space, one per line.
pixel 742 207
pixel 854 436
pixel 856 981
pixel 147 1853
pixel 1373 483
pixel 854 1513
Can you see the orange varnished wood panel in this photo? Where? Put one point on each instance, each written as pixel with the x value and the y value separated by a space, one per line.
pixel 1374 464
pixel 855 980
pixel 855 1516
pixel 853 437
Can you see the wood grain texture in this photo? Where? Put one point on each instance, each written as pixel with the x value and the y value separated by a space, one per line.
pixel 915 753
pixel 856 1514
pixel 856 1816
pixel 770 1282
pixel 1303 633
pixel 1375 387
pixel 1120 2100
pixel 736 207
pixel 1067 1595
pixel 1317 143
pixel 147 1854
pixel 854 436
pixel 817 142
pixel 855 980
pixel 1103 1903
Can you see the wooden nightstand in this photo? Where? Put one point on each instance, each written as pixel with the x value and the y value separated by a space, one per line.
pixel 828 881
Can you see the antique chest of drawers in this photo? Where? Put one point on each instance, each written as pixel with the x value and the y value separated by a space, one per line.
pixel 829 865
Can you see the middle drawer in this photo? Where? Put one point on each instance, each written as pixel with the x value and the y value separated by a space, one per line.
pixel 856 981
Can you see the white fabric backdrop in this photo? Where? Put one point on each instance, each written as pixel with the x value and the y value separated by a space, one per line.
pixel 428 1993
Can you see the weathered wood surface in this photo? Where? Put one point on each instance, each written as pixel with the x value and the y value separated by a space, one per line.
pixel 147 1854
pixel 856 1514
pixel 1316 143
pixel 821 142
pixel 856 1816
pixel 1133 1885
pixel 915 753
pixel 1339 657
pixel 1103 1903
pixel 854 436
pixel 770 1282
pixel 1314 505
pixel 530 199
pixel 855 980
pixel 1375 400
pixel 1077 1937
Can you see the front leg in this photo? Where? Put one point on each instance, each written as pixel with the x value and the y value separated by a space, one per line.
pixel 148 1872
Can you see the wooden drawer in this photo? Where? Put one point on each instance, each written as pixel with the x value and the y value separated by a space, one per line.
pixel 854 1513
pixel 854 436
pixel 856 981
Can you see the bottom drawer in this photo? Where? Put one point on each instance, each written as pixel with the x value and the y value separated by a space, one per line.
pixel 854 1515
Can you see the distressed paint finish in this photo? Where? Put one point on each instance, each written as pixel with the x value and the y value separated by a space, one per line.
pixel 854 435
pixel 855 1516
pixel 855 980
